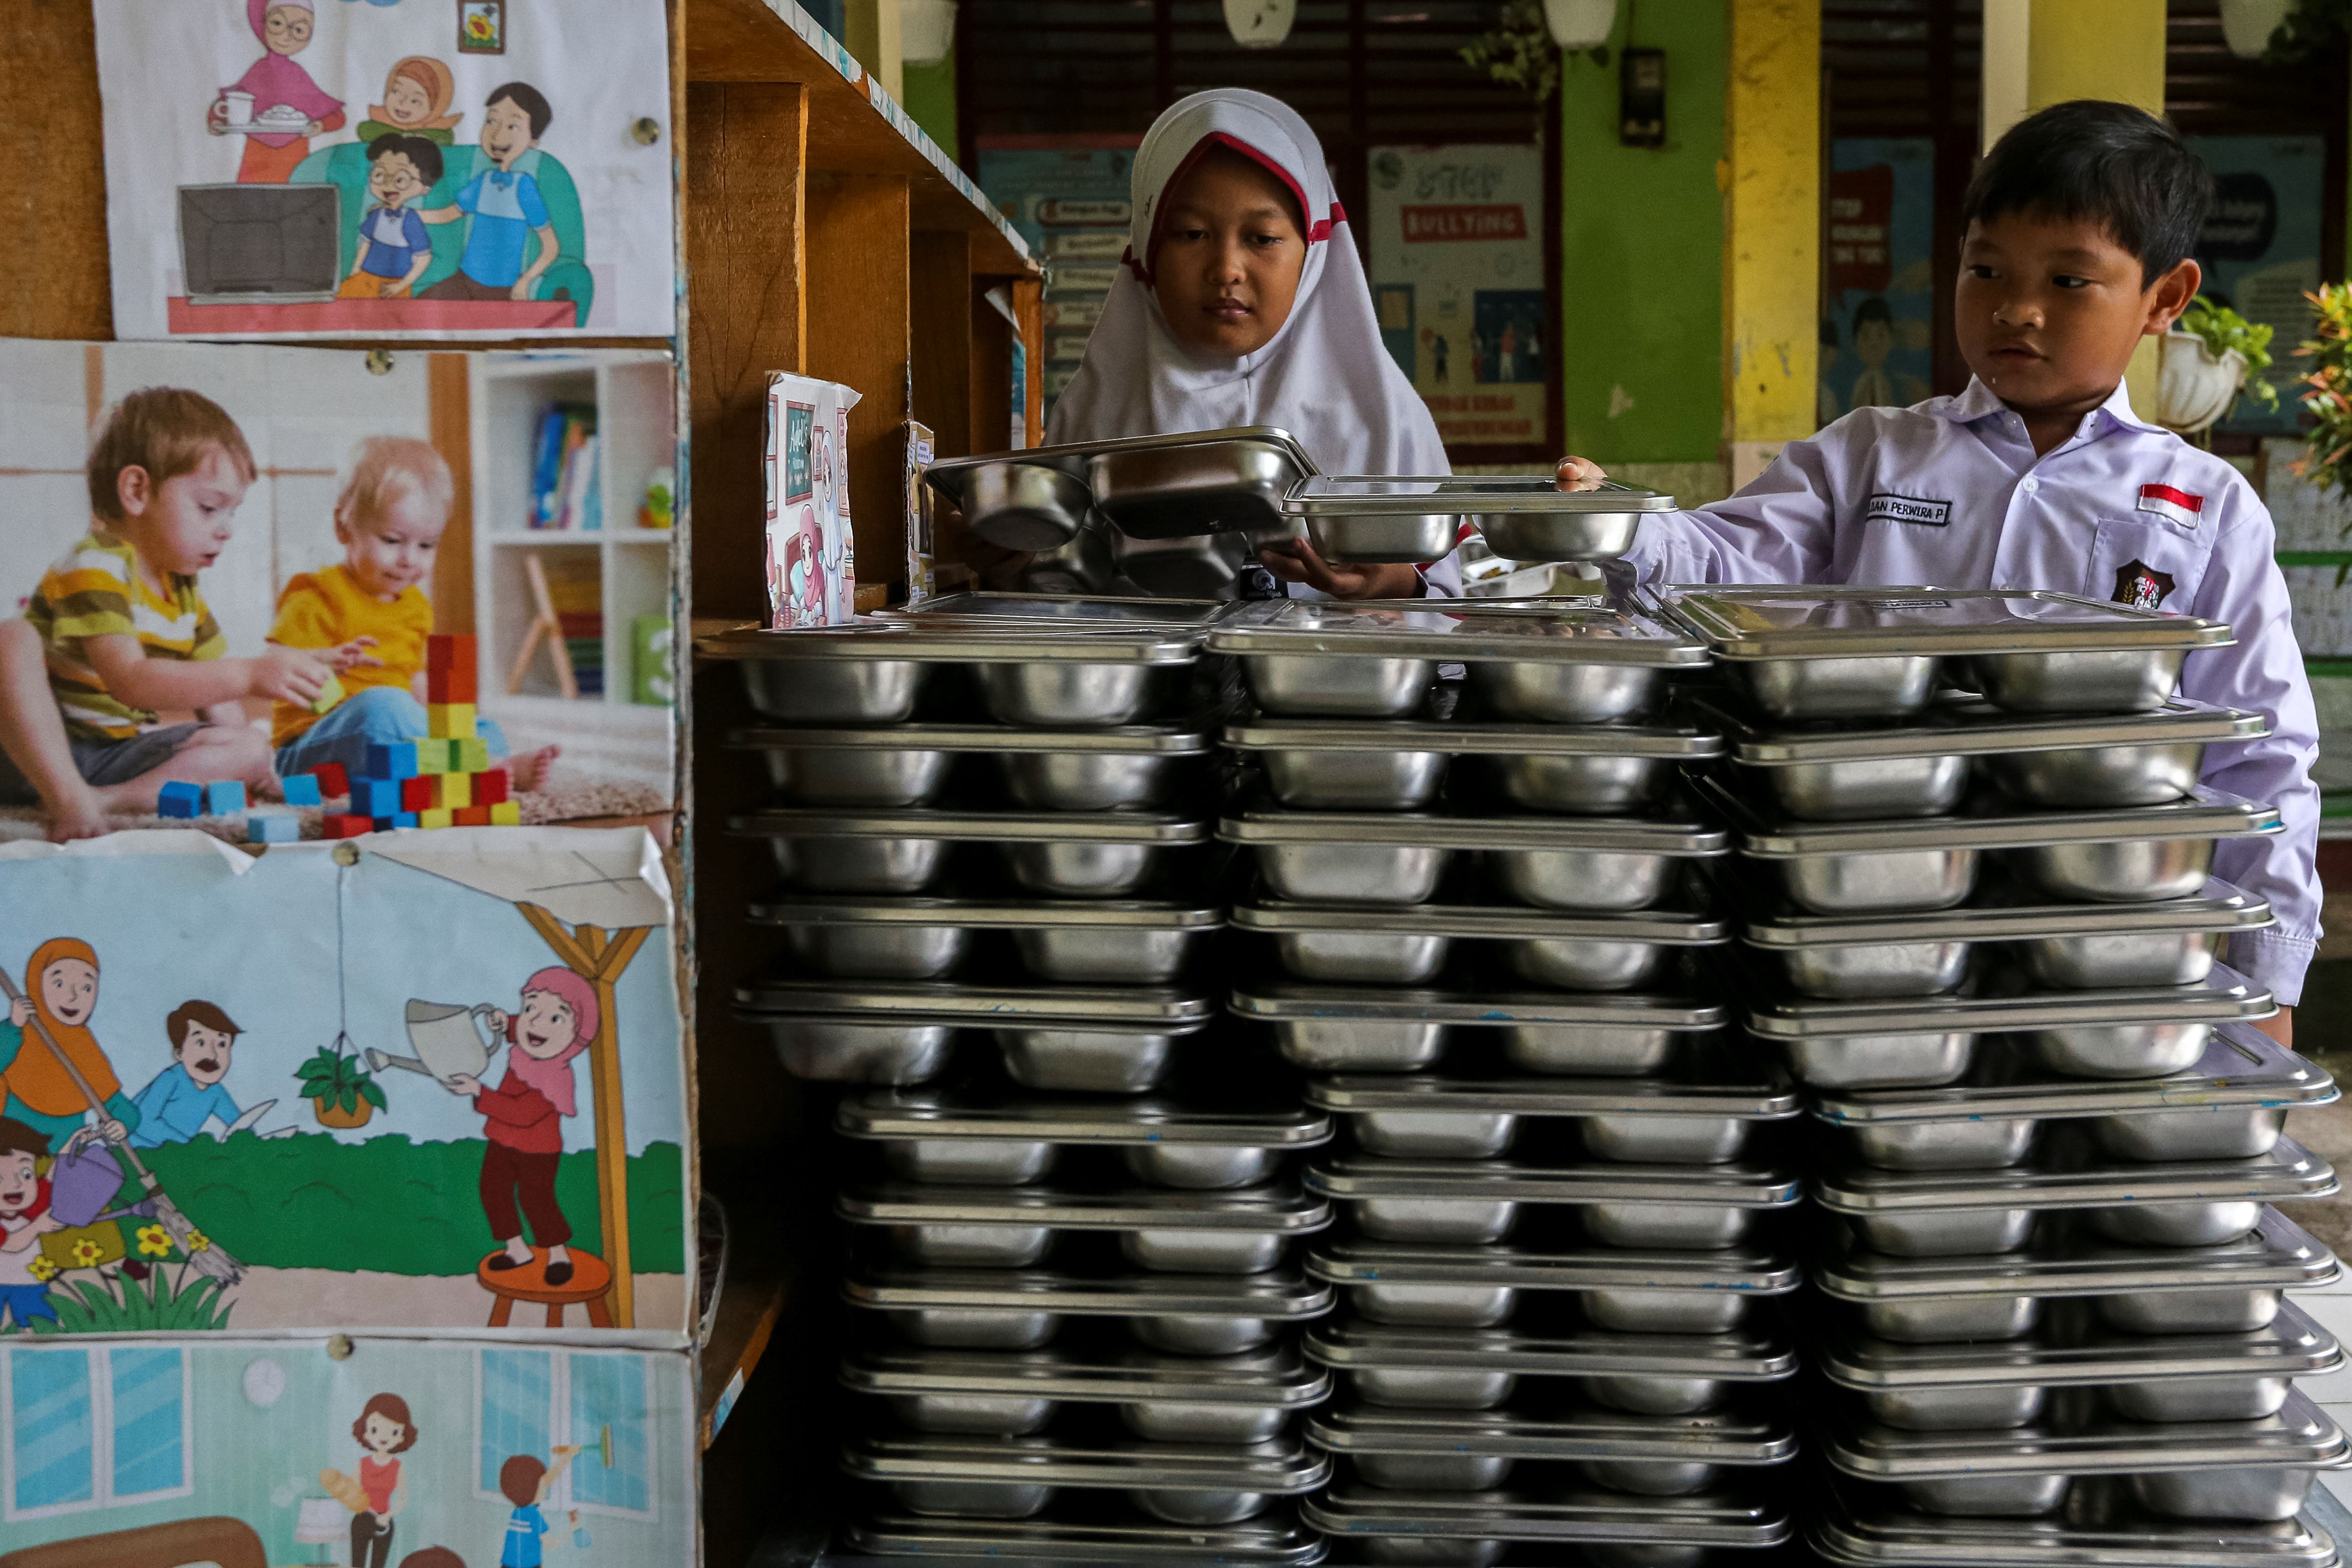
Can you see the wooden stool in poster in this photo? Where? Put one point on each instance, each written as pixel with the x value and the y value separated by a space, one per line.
pixel 590 1281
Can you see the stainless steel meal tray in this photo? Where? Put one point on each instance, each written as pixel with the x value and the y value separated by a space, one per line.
pixel 988 914
pixel 979 609
pixel 1864 620
pixel 1858 1525
pixel 1466 631
pixel 1364 1345
pixel 2225 997
pixel 914 765
pixel 1157 487
pixel 1089 1529
pixel 1119 827
pixel 1959 727
pixel 1280 1207
pixel 1282 1294
pixel 2078 1179
pixel 1097 1374
pixel 1673 927
pixel 1647 1290
pixel 1523 519
pixel 2300 1436
pixel 1351 1511
pixel 992 740
pixel 1279 1468
pixel 1571 1431
pixel 2202 813
pixel 1389 946
pixel 995 1115
pixel 1676 743
pixel 910 641
pixel 2015 916
pixel 975 1006
pixel 1762 1095
pixel 1280 1001
pixel 1358 1176
pixel 1662 835
pixel 1111 942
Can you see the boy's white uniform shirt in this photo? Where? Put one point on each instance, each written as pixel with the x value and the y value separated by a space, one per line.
pixel 1949 494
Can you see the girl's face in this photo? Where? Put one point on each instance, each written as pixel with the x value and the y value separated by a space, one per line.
pixel 391 550
pixel 1231 253
pixel 69 990
pixel 406 101
pixel 548 1027
pixel 382 1434
pixel 287 30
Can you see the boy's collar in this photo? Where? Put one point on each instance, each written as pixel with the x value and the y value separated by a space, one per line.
pixel 1980 401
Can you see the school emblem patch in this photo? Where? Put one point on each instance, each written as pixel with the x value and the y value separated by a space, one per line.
pixel 2141 586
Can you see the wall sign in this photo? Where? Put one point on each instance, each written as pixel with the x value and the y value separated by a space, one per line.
pixel 2260 249
pixel 1878 310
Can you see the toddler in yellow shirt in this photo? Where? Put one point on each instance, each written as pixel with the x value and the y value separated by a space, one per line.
pixel 389 518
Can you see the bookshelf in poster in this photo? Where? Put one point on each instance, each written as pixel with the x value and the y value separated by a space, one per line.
pixel 567 486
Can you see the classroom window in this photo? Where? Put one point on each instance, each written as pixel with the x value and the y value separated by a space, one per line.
pixel 85 1429
pixel 531 1400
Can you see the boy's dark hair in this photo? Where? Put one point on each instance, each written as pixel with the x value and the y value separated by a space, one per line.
pixel 1872 310
pixel 418 150
pixel 2117 165
pixel 202 1012
pixel 393 1408
pixel 16 1138
pixel 527 98
pixel 519 1479
pixel 166 430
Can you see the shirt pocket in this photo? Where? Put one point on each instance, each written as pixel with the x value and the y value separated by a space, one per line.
pixel 2146 563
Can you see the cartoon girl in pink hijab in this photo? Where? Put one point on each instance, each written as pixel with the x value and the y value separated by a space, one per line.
pixel 524 1116
pixel 283 95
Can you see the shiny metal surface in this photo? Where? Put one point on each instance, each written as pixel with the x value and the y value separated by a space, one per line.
pixel 1199 1508
pixel 2246 1492
pixel 2122 958
pixel 1595 1051
pixel 1882 1062
pixel 1100 1059
pixel 1194 1333
pixel 1586 963
pixel 1065 693
pixel 976 1415
pixel 973 1500
pixel 1942 1320
pixel 1435 1306
pixel 1200 566
pixel 1882 881
pixel 833 691
pixel 1875 969
pixel 832 775
pixel 1083 781
pixel 1198 1314
pixel 1449 1220
pixel 976 1328
pixel 2092 777
pixel 2213 1132
pixel 1081 868
pixel 1990 1497
pixel 1946 1233
pixel 1605 1529
pixel 1585 878
pixel 1196 1483
pixel 857 1050
pixel 2132 872
pixel 1072 1533
pixel 1353 873
pixel 1583 786
pixel 1332 686
pixel 1892 686
pixel 1354 781
pixel 1435 1134
pixel 1559 536
pixel 1931 1409
pixel 1175 486
pixel 2110 680
pixel 1373 537
pixel 971 1246
pixel 2119 1051
pixel 1183 1421
pixel 832 864
pixel 1655 1393
pixel 1080 564
pixel 878 951
pixel 1366 958
pixel 1550 694
pixel 1863 789
pixel 2199 1398
pixel 1434 1472
pixel 1672 1227
pixel 1651 1478
pixel 969 1162
pixel 1432 1388
pixel 1175 1251
pixel 2178 1224
pixel 2220 1311
pixel 1106 955
pixel 1202 1167
pixel 1358 1045
pixel 1638 1310
pixel 1023 506
pixel 1666 1140
pixel 1980 1143
pixel 1432 1551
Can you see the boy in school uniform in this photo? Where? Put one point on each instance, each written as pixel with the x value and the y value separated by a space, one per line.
pixel 2041 475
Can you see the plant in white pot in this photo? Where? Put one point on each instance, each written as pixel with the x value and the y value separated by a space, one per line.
pixel 2205 361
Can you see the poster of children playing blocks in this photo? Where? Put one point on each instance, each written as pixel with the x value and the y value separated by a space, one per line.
pixel 379 1453
pixel 329 168
pixel 424 1081
pixel 444 574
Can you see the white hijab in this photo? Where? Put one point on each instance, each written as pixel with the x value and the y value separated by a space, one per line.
pixel 1326 377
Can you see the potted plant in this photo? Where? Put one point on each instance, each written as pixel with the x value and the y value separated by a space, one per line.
pixel 340 1089
pixel 2327 459
pixel 2205 361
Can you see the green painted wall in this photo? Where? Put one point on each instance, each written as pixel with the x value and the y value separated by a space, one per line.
pixel 1642 251
pixel 931 100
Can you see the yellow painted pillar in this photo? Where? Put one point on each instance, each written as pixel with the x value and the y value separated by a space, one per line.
pixel 1771 181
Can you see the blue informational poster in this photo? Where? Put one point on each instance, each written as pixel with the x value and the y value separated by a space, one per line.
pixel 1067 195
pixel 2260 249
pixel 1879 323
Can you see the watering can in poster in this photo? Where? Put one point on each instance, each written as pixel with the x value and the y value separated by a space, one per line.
pixel 448 1039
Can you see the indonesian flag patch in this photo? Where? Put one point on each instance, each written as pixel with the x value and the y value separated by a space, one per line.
pixel 2176 507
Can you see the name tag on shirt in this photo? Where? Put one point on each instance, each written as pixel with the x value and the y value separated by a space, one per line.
pixel 1888 508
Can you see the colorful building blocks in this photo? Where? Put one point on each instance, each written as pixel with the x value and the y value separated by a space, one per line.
pixel 374 797
pixel 302 789
pixel 437 756
pixel 433 817
pixel 333 780
pixel 454 789
pixel 506 813
pixel 450 686
pixel 401 819
pixel 391 760
pixel 223 797
pixel 449 721
pixel 178 799
pixel 272 827
pixel 470 755
pixel 328 695
pixel 491 787
pixel 417 794
pixel 345 824
pixel 473 817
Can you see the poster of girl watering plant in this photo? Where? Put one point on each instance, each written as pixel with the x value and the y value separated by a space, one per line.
pixel 429 1081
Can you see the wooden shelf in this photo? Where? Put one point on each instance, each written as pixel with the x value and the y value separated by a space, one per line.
pixel 746 1320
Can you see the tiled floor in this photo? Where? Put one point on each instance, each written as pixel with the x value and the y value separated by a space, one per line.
pixel 2332 1309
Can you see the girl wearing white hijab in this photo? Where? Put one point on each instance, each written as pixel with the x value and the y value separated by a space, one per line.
pixel 1241 302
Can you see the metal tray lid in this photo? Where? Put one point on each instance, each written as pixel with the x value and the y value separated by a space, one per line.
pixel 1076 458
pixel 1858 1525
pixel 1123 741
pixel 1727 1518
pixel 1861 620
pixel 1560 1430
pixel 2279 1255
pixel 1552 631
pixel 986 914
pixel 1684 741
pixel 1087 1528
pixel 1668 832
pixel 1745 1085
pixel 904 642
pixel 1282 1293
pixel 2292 1346
pixel 1119 825
pixel 2241 1067
pixel 978 1006
pixel 1663 923
pixel 1361 495
pixel 995 1111
pixel 1989 822
pixel 1282 1001
pixel 1964 727
pixel 1359 1343
pixel 2224 996
pixel 1102 1374
pixel 1279 1207
pixel 2300 1436
pixel 2013 914
pixel 2071 1176
pixel 975 608
pixel 1735 1185
pixel 1281 1465
pixel 1747 1270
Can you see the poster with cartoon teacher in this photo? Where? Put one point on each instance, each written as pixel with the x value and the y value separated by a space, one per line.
pixel 339 169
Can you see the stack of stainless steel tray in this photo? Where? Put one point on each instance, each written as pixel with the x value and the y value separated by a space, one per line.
pixel 1418 519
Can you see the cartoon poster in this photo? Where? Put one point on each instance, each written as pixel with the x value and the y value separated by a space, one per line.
pixel 419 1081
pixel 377 1452
pixel 2260 249
pixel 324 168
pixel 322 513
pixel 1878 322
pixel 1458 280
